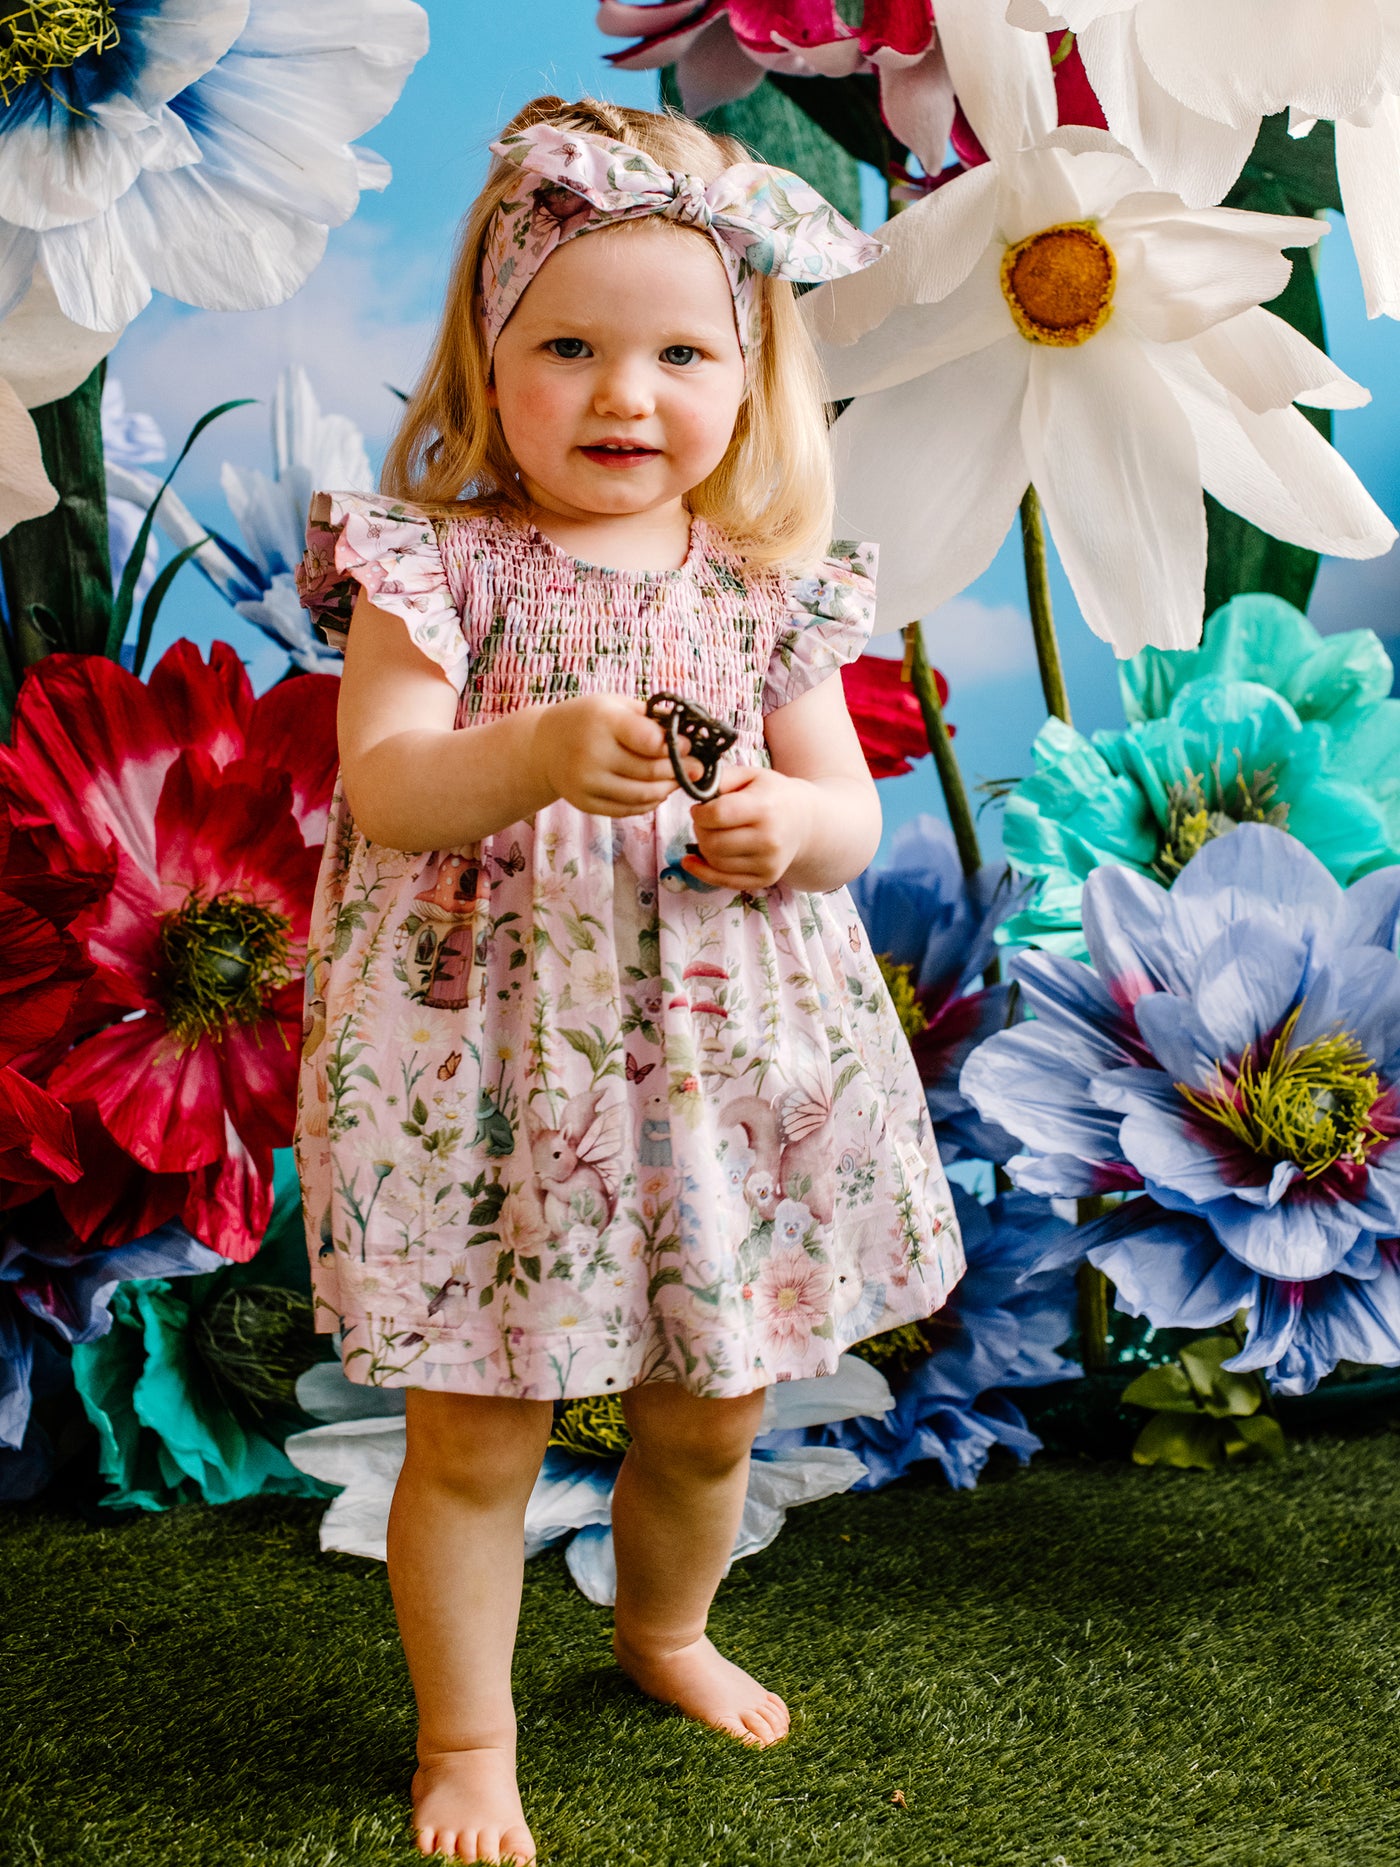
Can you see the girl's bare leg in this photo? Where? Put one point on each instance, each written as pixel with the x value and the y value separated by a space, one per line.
pixel 675 1512
pixel 456 1557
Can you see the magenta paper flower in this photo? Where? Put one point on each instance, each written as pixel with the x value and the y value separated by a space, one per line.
pixel 722 48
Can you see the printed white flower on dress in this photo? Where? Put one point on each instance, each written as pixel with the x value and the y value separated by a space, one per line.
pixel 42 357
pixel 1050 318
pixel 201 151
pixel 1185 84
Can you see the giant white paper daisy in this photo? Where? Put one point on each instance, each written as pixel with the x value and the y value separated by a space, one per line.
pixel 1050 318
pixel 1184 85
pixel 200 150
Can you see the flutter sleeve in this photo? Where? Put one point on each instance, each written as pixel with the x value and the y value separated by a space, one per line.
pixel 360 541
pixel 830 615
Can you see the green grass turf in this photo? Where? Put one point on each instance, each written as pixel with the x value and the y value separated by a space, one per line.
pixel 1072 1666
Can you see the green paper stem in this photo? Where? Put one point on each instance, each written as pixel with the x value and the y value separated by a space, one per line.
pixel 1094 1289
pixel 941 745
pixel 1047 647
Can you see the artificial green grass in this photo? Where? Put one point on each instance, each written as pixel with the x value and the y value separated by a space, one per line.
pixel 1072 1666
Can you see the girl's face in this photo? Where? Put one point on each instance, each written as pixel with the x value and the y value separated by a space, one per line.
pixel 619 375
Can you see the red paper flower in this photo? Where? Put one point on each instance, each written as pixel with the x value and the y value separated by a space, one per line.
pixel 885 711
pixel 211 806
pixel 42 970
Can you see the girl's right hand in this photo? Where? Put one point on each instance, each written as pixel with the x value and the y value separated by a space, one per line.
pixel 601 753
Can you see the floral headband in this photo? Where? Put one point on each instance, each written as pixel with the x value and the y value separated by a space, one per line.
pixel 761 219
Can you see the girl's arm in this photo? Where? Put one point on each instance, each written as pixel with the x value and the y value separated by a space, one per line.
pixel 413 781
pixel 812 822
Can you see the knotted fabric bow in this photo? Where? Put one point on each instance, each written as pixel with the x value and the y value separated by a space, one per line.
pixel 761 219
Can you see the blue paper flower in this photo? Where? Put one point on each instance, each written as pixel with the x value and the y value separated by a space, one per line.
pixel 202 151
pixel 1234 1052
pixel 61 1283
pixel 921 912
pixel 255 578
pixel 1000 1328
pixel 1265 722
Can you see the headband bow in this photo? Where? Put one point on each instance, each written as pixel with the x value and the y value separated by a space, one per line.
pixel 761 219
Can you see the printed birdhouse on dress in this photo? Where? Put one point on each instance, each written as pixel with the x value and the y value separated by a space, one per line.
pixel 441 944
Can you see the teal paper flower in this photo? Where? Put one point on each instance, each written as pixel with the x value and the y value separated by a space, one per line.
pixel 1267 722
pixel 193 1389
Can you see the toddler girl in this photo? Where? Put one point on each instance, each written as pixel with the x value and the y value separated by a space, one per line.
pixel 603 1093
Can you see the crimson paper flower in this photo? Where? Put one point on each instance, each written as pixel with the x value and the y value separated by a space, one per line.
pixel 42 969
pixel 211 807
pixel 886 714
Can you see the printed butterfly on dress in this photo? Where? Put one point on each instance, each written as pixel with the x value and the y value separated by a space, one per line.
pixel 511 864
pixel 448 1069
pixel 638 1072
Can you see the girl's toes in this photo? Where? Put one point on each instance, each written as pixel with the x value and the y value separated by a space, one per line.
pixel 518 1846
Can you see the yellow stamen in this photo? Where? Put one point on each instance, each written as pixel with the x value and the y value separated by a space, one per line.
pixel 1059 284
pixel 50 35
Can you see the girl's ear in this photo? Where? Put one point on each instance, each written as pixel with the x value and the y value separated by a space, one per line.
pixel 491 401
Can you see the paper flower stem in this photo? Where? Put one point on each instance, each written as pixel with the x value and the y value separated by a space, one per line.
pixel 941 745
pixel 1094 1289
pixel 1047 647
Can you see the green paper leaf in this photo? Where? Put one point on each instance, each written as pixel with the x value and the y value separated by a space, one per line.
pixel 1284 175
pixel 1165 1390
pixel 56 568
pixel 1191 1444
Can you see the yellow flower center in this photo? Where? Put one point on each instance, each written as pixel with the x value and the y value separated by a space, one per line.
pixel 1059 284
pixel 49 35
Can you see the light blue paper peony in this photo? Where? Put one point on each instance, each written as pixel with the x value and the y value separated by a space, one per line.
pixel 1233 1053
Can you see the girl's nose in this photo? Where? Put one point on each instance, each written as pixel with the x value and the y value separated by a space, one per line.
pixel 624 391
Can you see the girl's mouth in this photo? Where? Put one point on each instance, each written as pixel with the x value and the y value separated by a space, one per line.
pixel 619 454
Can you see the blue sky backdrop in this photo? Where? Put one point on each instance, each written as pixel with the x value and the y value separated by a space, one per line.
pixel 365 317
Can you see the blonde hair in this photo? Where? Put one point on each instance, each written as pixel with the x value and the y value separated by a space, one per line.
pixel 772 492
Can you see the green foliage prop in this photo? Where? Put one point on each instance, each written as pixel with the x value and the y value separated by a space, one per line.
pixel 1284 175
pixel 1205 1416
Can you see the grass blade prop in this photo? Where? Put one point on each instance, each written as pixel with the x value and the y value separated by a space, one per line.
pixel 126 595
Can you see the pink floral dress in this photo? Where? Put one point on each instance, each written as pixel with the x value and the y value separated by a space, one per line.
pixel 567 1122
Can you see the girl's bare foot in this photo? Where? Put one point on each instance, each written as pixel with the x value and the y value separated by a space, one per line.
pixel 707 1687
pixel 466 1804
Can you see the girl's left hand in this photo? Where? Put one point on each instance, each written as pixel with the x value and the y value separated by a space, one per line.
pixel 753 831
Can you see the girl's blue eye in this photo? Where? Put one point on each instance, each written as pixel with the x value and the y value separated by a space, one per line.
pixel 680 354
pixel 567 347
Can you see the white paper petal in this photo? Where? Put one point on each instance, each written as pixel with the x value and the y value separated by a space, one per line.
pixel 1268 364
pixel 1194 156
pixel 1179 276
pixel 97 278
pixel 1002 77
pixel 1237 59
pixel 1368 168
pixel 208 243
pixel 44 355
pixel 857 1390
pixel 366 1456
pixel 325 1393
pixel 19 253
pixel 1114 462
pixel 778 1481
pixel 1275 469
pixel 569 1494
pixel 917 103
pixel 933 472
pixel 916 338
pixel 25 491
pixel 932 247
